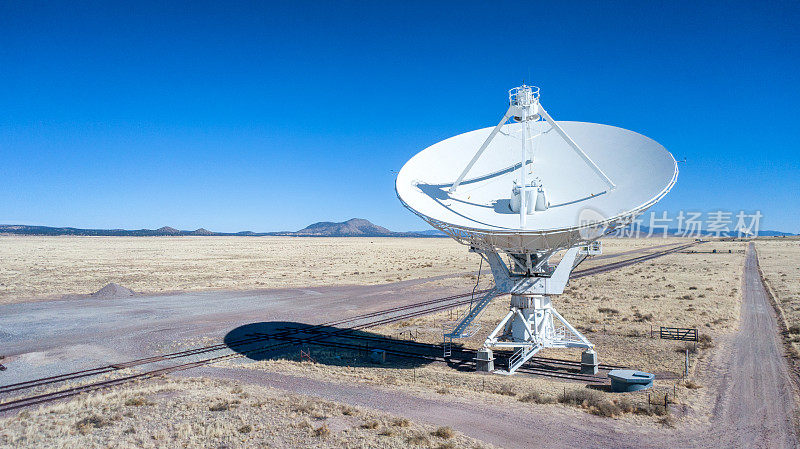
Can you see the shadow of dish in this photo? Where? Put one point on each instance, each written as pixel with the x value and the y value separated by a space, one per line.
pixel 503 206
pixel 282 340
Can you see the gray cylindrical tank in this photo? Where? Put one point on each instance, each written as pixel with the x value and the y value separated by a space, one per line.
pixel 623 380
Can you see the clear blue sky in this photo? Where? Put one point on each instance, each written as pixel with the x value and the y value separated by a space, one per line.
pixel 269 116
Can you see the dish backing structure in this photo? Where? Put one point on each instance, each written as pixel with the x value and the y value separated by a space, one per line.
pixel 520 193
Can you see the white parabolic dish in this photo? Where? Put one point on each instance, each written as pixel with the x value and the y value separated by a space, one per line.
pixel 582 207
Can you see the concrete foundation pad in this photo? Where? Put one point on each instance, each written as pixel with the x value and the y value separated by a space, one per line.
pixel 484 361
pixel 589 362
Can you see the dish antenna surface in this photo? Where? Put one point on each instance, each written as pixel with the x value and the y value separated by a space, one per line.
pixel 526 189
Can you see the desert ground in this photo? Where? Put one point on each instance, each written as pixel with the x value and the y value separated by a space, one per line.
pixel 48 267
pixel 52 267
pixel 194 412
pixel 196 290
pixel 778 259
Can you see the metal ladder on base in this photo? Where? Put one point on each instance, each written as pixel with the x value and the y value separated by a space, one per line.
pixel 447 346
pixel 521 356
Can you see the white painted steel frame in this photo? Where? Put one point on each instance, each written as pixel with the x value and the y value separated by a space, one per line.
pixel 537 322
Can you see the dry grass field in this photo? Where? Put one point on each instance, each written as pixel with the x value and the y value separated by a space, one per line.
pixel 38 267
pixel 199 412
pixel 779 259
pixel 615 310
pixel 49 267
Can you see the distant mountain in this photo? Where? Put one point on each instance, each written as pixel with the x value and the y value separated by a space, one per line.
pixel 355 227
pixel 644 231
pixel 775 234
pixel 429 233
pixel 47 230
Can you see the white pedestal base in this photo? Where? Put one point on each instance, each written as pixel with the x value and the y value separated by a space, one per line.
pixel 531 325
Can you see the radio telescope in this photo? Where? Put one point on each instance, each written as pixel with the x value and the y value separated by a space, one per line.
pixel 519 193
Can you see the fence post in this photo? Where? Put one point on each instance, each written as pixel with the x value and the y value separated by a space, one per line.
pixel 686 365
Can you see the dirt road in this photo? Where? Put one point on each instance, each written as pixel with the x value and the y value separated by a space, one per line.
pixel 754 407
pixel 756 401
pixel 46 338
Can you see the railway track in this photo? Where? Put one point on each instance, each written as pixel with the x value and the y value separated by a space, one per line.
pixel 627 262
pixel 381 340
pixel 363 321
pixel 466 358
pixel 440 304
pixel 72 391
pixel 463 357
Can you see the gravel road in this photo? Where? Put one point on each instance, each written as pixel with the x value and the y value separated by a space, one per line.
pixel 756 402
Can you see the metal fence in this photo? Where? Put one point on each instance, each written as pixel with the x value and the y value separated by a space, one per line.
pixel 678 333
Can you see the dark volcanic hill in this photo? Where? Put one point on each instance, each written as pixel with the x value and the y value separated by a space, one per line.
pixel 356 227
pixel 166 230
